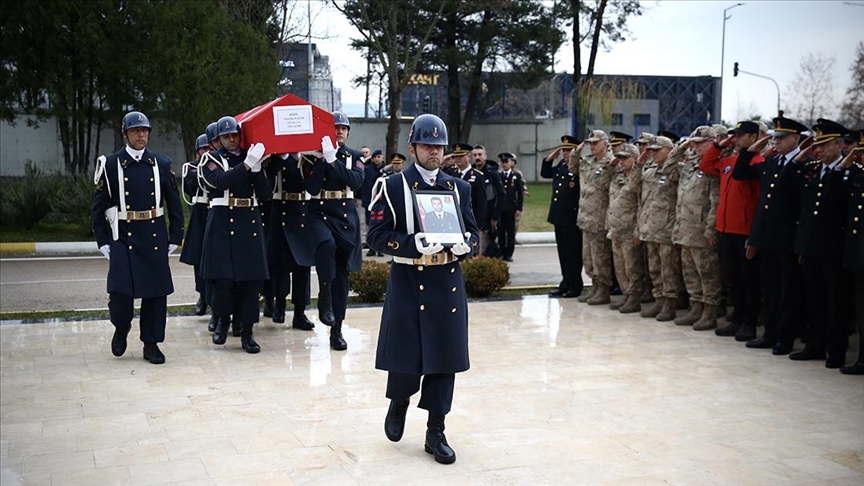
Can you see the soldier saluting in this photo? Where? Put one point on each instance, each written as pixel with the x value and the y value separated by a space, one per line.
pixel 129 222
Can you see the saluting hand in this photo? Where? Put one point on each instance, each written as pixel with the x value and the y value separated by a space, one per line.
pixel 806 148
pixel 727 141
pixel 759 145
pixel 847 161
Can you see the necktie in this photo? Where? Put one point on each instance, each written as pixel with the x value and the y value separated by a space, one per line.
pixel 440 216
pixel 782 161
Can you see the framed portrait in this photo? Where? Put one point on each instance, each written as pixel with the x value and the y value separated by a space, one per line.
pixel 439 216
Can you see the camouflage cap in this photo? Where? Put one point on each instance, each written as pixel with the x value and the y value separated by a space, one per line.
pixel 703 133
pixel 645 137
pixel 661 142
pixel 627 150
pixel 720 130
pixel 597 136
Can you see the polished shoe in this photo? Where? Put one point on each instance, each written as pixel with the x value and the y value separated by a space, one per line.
pixel 834 363
pixel 746 333
pixel 268 307
pixel 556 293
pixel 200 306
pixel 211 326
pixel 118 342
pixel 248 343
pixel 325 304
pixel 302 322
pixel 807 355
pixel 236 328
pixel 856 369
pixel 765 342
pixel 337 342
pixel 153 354
pixel 570 294
pixel 436 443
pixel 220 334
pixel 279 311
pixel 782 348
pixel 394 422
pixel 730 329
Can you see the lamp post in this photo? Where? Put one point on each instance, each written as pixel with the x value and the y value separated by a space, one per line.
pixel 738 70
pixel 723 49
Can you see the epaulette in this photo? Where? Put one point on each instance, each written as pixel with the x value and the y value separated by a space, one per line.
pixel 859 165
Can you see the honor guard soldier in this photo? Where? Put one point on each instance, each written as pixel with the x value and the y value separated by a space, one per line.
pixel 463 170
pixel 332 205
pixel 198 203
pixel 424 324
pixel 234 258
pixel 617 140
pixel 290 252
pixel 129 223
pixel 819 241
pixel 563 211
pixel 625 194
pixel 511 205
pixel 772 234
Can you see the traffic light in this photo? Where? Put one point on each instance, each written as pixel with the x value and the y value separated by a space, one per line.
pixel 427 104
pixel 735 70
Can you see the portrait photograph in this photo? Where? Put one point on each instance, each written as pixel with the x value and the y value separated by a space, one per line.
pixel 439 216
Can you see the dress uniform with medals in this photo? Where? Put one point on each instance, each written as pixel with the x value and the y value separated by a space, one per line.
pixel 511 203
pixel 819 241
pixel 128 220
pixel 234 257
pixel 198 203
pixel 563 211
pixel 424 324
pixel 465 171
pixel 333 205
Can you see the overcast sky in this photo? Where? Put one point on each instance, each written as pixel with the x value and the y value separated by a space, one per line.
pixel 683 37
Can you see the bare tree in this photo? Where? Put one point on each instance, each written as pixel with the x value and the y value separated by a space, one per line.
pixel 812 90
pixel 852 109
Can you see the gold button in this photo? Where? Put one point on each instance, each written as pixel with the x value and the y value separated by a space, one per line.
pixel 344 215
pixel 420 268
pixel 820 184
pixel 127 206
pixel 253 221
pixel 152 193
pixel 325 218
pixel 772 185
pixel 155 248
pixel 855 219
pixel 769 196
pixel 231 208
pixel 452 270
pixel 554 198
pixel 859 207
pixel 818 194
pixel 151 179
pixel 283 224
pixel 231 220
pixel 230 194
pixel 854 231
pixel 322 203
pixel 422 307
pixel 154 235
pixel 126 179
pixel 302 225
pixel 817 204
pixel 453 310
pixel 556 191
pixel 775 176
pixel 130 247
pixel 815 213
pixel 232 233
pixel 152 221
pixel 283 213
pixel 343 203
pixel 129 234
pixel 421 287
pixel 254 234
pixel 453 289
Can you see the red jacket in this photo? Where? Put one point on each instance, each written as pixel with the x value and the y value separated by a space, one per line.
pixel 737 198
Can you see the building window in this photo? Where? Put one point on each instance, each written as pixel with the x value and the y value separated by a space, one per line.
pixel 642 119
pixel 617 119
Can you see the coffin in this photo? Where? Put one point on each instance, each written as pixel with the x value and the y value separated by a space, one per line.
pixel 286 125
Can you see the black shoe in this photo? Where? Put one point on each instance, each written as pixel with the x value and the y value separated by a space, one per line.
pixel 337 342
pixel 571 294
pixel 764 342
pixel 807 355
pixel 279 312
pixel 730 329
pixel 220 334
pixel 236 328
pixel 371 253
pixel 118 342
pixel 200 306
pixel 856 369
pixel 782 348
pixel 394 422
pixel 268 307
pixel 746 333
pixel 153 354
pixel 248 343
pixel 325 304
pixel 436 443
pixel 557 293
pixel 834 363
pixel 302 322
pixel 508 259
pixel 211 326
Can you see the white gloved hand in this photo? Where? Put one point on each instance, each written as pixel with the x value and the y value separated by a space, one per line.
pixel 253 157
pixel 462 247
pixel 171 248
pixel 106 250
pixel 328 150
pixel 426 249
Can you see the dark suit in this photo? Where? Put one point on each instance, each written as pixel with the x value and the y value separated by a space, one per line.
pixel 138 265
pixel 563 210
pixel 511 201
pixel 478 190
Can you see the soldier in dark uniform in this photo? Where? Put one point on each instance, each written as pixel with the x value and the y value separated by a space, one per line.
pixel 395 166
pixel 511 206
pixel 494 192
pixel 344 173
pixel 819 242
pixel 129 224
pixel 288 244
pixel 424 325
pixel 234 258
pixel 198 202
pixel 772 234
pixel 463 170
pixel 563 210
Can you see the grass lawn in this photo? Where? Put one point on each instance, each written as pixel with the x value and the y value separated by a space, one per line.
pixel 535 208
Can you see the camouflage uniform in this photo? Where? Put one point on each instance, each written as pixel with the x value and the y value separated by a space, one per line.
pixel 624 196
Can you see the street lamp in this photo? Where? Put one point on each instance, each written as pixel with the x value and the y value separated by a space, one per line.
pixel 723 46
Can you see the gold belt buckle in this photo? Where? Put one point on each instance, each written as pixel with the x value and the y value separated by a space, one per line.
pixel 141 214
pixel 435 259
pixel 243 203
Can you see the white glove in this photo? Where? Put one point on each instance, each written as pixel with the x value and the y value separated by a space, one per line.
pixel 426 249
pixel 253 157
pixel 106 250
pixel 328 149
pixel 171 248
pixel 462 247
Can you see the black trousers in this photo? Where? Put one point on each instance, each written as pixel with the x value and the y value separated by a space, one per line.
pixel 437 394
pixel 743 277
pixel 783 293
pixel 507 233
pixel 568 239
pixel 151 321
pixel 281 278
pixel 858 296
pixel 237 298
pixel 827 308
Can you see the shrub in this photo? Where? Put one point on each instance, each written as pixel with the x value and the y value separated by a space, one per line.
pixel 370 282
pixel 484 275
pixel 27 201
pixel 74 202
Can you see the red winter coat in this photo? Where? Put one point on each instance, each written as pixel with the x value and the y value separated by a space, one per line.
pixel 737 198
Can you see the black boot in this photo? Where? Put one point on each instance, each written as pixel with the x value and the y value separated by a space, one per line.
pixel 220 334
pixel 394 423
pixel 336 340
pixel 279 311
pixel 247 341
pixel 300 321
pixel 236 327
pixel 200 306
pixel 211 326
pixel 118 342
pixel 268 306
pixel 436 443
pixel 325 304
pixel 153 354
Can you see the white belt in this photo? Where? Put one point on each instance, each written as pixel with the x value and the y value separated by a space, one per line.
pixel 234 202
pixel 140 215
pixel 441 258
pixel 200 200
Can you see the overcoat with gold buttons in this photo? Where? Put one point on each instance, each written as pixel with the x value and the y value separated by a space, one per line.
pixel 424 324
pixel 823 215
pixel 138 265
pixel 851 182
pixel 234 238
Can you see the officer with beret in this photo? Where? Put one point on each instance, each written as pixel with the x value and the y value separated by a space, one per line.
pixel 128 220
pixel 463 169
pixel 198 203
pixel 511 205
pixel 234 257
pixel 423 340
pixel 563 211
